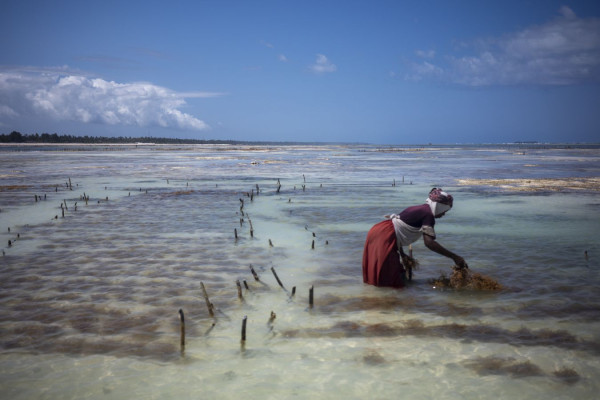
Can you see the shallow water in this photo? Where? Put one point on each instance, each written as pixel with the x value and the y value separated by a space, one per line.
pixel 90 300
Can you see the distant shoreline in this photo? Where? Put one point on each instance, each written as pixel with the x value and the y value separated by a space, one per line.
pixel 45 139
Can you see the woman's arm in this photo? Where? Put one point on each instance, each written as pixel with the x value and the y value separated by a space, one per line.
pixel 433 245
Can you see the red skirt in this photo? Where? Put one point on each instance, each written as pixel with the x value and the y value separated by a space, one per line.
pixel 381 261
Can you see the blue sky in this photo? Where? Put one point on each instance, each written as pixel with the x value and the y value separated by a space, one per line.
pixel 390 72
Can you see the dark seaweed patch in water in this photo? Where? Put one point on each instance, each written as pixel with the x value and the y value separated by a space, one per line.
pixel 493 365
pixel 503 366
pixel 572 310
pixel 397 301
pixel 567 375
pixel 467 333
pixel 372 357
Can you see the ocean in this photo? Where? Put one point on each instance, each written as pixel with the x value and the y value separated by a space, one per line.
pixel 105 246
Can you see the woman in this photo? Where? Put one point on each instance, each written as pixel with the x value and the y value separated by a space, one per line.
pixel 381 262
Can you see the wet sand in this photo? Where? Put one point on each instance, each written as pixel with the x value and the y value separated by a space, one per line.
pixel 537 185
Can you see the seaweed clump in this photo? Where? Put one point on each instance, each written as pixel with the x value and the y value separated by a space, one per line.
pixel 462 278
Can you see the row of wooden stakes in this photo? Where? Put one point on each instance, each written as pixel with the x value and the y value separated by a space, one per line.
pixel 211 307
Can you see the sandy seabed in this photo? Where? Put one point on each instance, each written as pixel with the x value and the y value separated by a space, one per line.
pixel 537 185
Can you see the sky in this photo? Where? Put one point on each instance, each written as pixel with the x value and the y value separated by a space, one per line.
pixel 383 72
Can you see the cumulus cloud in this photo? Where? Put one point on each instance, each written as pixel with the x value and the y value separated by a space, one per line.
pixel 563 51
pixel 322 65
pixel 425 53
pixel 66 96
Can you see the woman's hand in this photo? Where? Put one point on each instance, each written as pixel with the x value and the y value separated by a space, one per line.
pixel 460 262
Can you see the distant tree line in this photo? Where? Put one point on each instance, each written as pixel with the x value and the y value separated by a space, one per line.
pixel 18 137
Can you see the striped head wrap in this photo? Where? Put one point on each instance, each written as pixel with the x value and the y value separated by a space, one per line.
pixel 439 201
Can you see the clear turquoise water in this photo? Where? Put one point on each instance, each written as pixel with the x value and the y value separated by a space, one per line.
pixel 90 300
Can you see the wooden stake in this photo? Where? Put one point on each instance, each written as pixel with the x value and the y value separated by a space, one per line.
pixel 244 328
pixel 182 328
pixel 276 277
pixel 239 289
pixel 410 254
pixel 313 245
pixel 270 243
pixel 254 273
pixel 209 305
pixel 235 233
pixel 311 297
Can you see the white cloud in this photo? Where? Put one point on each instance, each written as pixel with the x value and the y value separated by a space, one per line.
pixel 563 51
pixel 425 53
pixel 424 70
pixel 7 111
pixel 282 58
pixel 322 65
pixel 66 96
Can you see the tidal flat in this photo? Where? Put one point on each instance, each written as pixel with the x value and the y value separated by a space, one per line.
pixel 108 243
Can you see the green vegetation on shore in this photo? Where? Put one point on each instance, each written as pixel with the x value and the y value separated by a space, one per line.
pixel 17 137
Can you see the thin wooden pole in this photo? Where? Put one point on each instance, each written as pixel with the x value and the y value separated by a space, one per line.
pixel 209 305
pixel 256 278
pixel 239 289
pixel 182 328
pixel 277 278
pixel 244 328
pixel 410 254
pixel 311 297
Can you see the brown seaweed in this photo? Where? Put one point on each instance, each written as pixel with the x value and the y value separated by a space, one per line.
pixel 462 278
pixel 567 375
